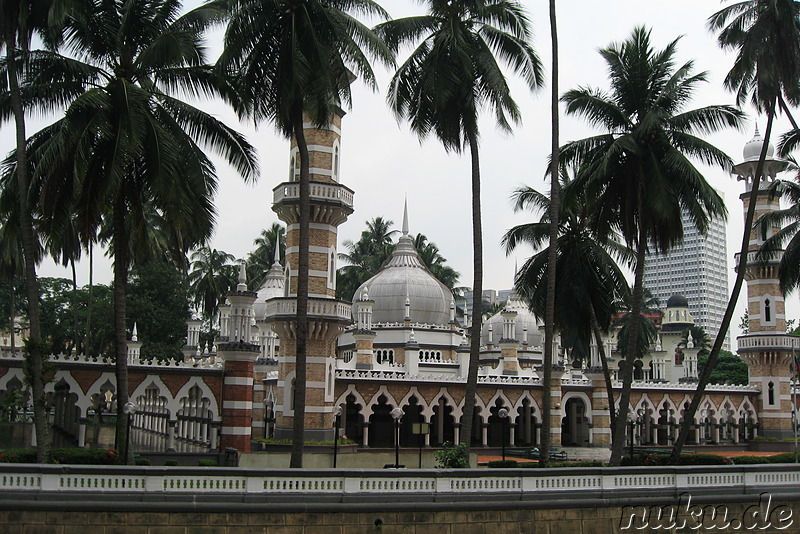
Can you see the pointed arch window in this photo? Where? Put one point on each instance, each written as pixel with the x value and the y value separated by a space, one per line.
pixel 767 311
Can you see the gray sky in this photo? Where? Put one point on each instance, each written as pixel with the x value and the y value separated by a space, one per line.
pixel 383 162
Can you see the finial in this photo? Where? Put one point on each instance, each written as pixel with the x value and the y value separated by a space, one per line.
pixel 277 249
pixel 242 286
pixel 690 341
pixel 757 134
pixel 134 333
pixel 365 294
pixel 405 216
pixel 411 338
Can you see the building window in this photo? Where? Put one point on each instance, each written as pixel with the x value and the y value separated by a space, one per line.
pixel 336 162
pixel 767 311
pixel 771 394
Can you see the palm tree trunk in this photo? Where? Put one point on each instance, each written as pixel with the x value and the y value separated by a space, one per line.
pixel 705 376
pixel 471 389
pixel 74 302
pixel 13 309
pixel 787 111
pixel 120 326
pixel 298 421
pixel 88 342
pixel 618 435
pixel 612 414
pixel 35 349
pixel 552 252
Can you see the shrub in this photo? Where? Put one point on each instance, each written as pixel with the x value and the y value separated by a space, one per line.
pixel 171 463
pixel 686 459
pixel 141 461
pixel 451 457
pixel 783 458
pixel 63 456
pixel 749 460
pixel 207 462
pixel 328 443
pixel 502 464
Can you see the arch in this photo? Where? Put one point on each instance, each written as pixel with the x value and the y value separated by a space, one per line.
pixel 288 394
pixel 499 395
pixel 155 380
pixel 576 418
pixel 335 163
pixel 83 402
pixel 443 393
pixel 351 390
pixel 374 401
pixel 207 393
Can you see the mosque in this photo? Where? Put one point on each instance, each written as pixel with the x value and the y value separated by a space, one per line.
pixel 397 353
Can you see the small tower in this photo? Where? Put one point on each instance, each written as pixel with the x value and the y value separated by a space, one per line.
pixel 767 347
pixel 239 356
pixel 331 205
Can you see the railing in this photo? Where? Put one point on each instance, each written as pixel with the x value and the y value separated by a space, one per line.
pixel 84 359
pixel 319 191
pixel 20 482
pixel 754 259
pixel 769 341
pixel 317 307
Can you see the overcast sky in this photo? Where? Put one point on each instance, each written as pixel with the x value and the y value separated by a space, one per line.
pixel 383 162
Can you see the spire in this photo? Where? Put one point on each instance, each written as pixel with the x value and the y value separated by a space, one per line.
pixel 277 250
pixel 405 216
pixel 242 286
pixel 135 333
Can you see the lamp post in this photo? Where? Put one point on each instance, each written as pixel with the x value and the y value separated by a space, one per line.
pixel 640 421
pixel 631 426
pixel 502 413
pixel 337 415
pixel 129 408
pixel 397 414
pixel 706 424
pixel 671 429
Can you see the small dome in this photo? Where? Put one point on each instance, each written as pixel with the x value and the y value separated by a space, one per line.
pixel 677 301
pixel 752 150
pixel 525 318
pixel 406 279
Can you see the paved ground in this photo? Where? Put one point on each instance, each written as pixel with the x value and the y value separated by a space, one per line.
pixel 603 454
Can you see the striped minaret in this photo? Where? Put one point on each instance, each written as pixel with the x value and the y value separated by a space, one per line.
pixel 239 356
pixel 331 204
pixel 766 348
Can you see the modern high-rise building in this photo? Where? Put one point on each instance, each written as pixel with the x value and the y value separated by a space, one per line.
pixel 697 268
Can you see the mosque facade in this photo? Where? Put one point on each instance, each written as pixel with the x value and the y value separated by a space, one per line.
pixel 399 351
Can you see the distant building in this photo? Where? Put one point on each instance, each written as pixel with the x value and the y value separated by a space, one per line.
pixel 697 269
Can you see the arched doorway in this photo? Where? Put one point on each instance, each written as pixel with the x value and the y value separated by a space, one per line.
pixel 526 424
pixel 412 413
pixel 442 423
pixel 353 420
pixel 381 424
pixel 498 426
pixel 575 424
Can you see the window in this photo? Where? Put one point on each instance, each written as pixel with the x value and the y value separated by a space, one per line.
pixel 771 394
pixel 767 311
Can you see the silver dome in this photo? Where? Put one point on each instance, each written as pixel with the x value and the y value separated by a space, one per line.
pixel 406 277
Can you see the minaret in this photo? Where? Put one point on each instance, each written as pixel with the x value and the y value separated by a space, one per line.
pixel 331 204
pixel 767 348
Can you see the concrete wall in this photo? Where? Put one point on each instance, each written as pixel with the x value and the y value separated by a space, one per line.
pixel 597 520
pixel 345 459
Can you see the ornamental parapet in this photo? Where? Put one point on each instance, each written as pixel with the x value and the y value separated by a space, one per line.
pixel 320 192
pixel 757 342
pixel 285 308
pixel 754 259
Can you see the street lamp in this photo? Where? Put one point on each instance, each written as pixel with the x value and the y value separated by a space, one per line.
pixel 640 421
pixel 129 408
pixel 502 413
pixel 631 426
pixel 704 413
pixel 337 414
pixel 397 414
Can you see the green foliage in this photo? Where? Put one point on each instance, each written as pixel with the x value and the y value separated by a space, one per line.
pixel 502 464
pixel 784 458
pixel 730 369
pixel 12 405
pixel 141 461
pixel 207 462
pixel 686 459
pixel 64 456
pixel 171 463
pixel 452 457
pixel 7 288
pixel 158 304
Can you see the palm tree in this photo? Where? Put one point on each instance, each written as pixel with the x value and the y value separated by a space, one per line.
pixel 787 238
pixel 588 282
pixel 437 264
pixel 638 169
pixel 766 36
pixel 210 279
pixel 128 140
pixel 451 75
pixel 261 259
pixel 365 257
pixel 295 59
pixel 19 21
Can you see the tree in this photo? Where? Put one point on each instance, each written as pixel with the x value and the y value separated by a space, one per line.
pixel 588 282
pixel 212 276
pixel 436 263
pixel 730 369
pixel 450 76
pixel 294 60
pixel 158 305
pixel 787 239
pixel 638 169
pixel 365 257
pixel 766 37
pixel 19 21
pixel 128 140
pixel 261 259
